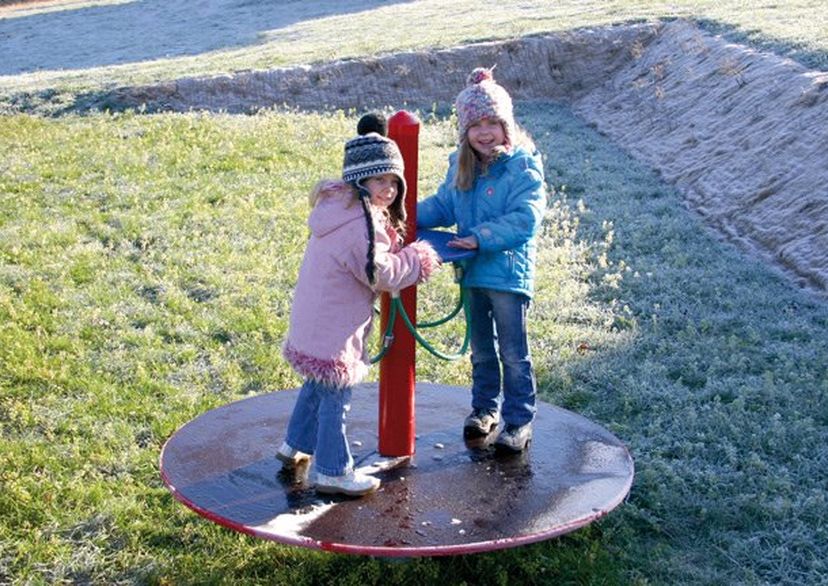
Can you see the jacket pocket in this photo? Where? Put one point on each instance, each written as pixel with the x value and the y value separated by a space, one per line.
pixel 504 264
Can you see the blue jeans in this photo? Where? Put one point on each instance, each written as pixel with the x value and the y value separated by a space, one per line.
pixel 498 327
pixel 317 426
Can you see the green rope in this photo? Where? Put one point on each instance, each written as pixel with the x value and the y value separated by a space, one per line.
pixel 449 317
pixel 397 307
pixel 388 338
pixel 463 349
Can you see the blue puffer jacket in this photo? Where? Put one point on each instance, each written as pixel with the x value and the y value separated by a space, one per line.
pixel 504 210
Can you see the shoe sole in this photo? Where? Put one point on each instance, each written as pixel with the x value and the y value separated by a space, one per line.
pixel 506 449
pixel 337 490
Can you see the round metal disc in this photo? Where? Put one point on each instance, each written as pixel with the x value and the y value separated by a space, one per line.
pixel 451 497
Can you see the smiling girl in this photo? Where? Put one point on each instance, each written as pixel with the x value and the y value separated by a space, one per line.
pixel 494 192
pixel 354 252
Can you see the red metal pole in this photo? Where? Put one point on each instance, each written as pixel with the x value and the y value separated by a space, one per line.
pixel 396 386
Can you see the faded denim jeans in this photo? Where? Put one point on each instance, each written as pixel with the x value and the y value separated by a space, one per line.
pixel 498 330
pixel 317 426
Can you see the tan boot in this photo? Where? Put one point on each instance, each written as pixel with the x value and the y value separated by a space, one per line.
pixel 291 457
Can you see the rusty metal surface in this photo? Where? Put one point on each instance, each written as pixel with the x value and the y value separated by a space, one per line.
pixel 452 497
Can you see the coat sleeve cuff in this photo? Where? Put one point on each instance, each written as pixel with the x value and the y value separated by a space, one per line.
pixel 428 257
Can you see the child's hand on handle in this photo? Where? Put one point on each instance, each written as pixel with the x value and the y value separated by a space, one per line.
pixel 466 243
pixel 429 259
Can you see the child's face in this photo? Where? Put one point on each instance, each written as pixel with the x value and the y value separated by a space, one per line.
pixel 383 189
pixel 485 135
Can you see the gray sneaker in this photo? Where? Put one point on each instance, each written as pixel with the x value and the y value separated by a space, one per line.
pixel 480 423
pixel 514 438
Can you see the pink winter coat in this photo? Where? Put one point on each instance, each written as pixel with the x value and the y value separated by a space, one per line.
pixel 333 301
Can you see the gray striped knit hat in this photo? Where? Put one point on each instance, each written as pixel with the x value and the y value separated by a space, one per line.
pixel 372 153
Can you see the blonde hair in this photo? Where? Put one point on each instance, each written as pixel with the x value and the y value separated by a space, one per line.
pixel 313 196
pixel 468 163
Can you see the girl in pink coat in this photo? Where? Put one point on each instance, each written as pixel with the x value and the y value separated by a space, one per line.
pixel 354 252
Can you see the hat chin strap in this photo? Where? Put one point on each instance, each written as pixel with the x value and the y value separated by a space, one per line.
pixel 362 191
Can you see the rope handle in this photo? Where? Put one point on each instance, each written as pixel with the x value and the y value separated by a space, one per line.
pixel 397 307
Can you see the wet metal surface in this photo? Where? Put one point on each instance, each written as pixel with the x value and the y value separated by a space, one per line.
pixel 451 497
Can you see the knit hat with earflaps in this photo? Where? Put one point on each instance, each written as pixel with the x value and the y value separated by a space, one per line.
pixel 369 154
pixel 373 153
pixel 484 98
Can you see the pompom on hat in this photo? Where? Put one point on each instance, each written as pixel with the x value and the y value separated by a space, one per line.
pixel 482 98
pixel 373 153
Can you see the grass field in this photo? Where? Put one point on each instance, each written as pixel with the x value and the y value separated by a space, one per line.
pixel 147 264
pixel 146 268
pixel 316 32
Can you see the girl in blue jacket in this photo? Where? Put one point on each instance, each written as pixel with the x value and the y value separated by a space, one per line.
pixel 494 192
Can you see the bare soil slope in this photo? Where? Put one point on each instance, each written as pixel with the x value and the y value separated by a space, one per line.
pixel 743 134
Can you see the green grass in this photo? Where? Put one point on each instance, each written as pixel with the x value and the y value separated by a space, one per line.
pixel 719 385
pixel 798 29
pixel 146 265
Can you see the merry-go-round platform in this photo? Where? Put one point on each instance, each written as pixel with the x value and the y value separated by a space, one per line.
pixel 451 497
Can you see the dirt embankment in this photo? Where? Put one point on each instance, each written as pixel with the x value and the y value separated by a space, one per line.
pixel 559 67
pixel 743 134
pixel 10 4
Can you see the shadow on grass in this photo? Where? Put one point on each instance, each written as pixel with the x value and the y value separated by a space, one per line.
pixel 131 32
pixel 581 558
pixel 569 560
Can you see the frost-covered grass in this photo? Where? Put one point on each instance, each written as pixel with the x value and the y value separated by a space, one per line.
pixel 709 365
pixel 146 265
pixel 146 268
pixel 308 32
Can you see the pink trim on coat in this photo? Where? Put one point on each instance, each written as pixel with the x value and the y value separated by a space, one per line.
pixel 429 259
pixel 332 372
